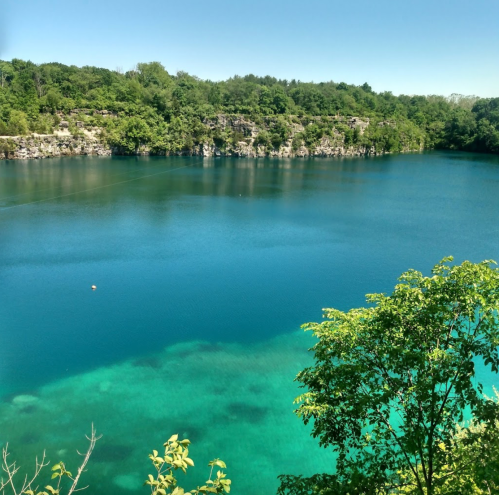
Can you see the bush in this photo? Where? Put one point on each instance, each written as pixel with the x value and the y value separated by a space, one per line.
pixel 162 482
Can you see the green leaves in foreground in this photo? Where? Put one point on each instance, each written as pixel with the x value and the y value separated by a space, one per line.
pixel 391 381
pixel 59 470
pixel 176 456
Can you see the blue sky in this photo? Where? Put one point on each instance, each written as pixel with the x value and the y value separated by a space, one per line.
pixel 403 46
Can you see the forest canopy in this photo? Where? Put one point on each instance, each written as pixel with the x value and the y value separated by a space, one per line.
pixel 167 111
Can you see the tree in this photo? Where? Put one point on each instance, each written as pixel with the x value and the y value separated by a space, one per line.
pixel 134 132
pixel 18 123
pixel 153 73
pixel 390 381
pixel 6 73
pixel 53 100
pixel 473 461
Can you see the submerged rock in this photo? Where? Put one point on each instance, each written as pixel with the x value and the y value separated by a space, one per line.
pixel 23 401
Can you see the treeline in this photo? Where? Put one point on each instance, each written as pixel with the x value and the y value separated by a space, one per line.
pixel 167 112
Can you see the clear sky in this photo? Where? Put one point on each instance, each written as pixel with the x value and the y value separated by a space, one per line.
pixel 403 46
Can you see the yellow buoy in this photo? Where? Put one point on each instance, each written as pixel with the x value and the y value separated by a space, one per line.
pixel 94 287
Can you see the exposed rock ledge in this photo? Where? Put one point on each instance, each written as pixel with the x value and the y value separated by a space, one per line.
pixel 36 147
pixel 46 146
pixel 62 143
pixel 243 149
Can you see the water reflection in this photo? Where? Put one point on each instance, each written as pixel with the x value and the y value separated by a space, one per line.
pixel 219 249
pixel 27 181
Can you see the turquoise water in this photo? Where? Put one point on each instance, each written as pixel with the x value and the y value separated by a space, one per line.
pixel 205 270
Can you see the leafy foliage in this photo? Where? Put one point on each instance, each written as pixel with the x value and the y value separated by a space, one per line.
pixel 176 457
pixel 391 380
pixel 172 109
pixel 472 462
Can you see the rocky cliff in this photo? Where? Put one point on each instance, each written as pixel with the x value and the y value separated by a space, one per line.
pixel 232 136
pixel 249 131
pixel 53 145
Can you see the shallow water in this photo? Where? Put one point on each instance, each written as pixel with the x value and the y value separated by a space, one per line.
pixel 205 270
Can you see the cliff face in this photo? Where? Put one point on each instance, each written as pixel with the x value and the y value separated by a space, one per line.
pixel 326 148
pixel 46 146
pixel 249 131
pixel 245 141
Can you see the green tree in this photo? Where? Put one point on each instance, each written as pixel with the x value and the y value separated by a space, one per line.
pixel 133 132
pixel 472 462
pixel 53 100
pixel 6 73
pixel 18 123
pixel 460 129
pixel 153 73
pixel 390 381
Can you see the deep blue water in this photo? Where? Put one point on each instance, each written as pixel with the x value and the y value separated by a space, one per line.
pixel 213 263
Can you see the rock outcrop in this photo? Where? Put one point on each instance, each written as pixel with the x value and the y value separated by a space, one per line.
pixel 243 149
pixel 231 136
pixel 46 146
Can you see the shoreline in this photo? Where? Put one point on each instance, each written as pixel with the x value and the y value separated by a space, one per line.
pixel 40 147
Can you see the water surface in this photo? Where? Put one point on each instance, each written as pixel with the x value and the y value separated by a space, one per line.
pixel 205 270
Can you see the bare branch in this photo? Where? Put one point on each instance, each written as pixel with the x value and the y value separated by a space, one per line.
pixel 38 467
pixel 10 469
pixel 93 438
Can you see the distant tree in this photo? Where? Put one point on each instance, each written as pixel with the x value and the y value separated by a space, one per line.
pixel 460 130
pixel 266 101
pixel 18 123
pixel 132 132
pixel 6 73
pixel 215 95
pixel 367 88
pixel 279 100
pixel 53 100
pixel 153 73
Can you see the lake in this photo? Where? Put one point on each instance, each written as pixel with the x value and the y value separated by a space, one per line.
pixel 205 269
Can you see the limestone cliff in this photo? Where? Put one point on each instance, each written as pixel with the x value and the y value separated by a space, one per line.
pixel 230 136
pixel 47 146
